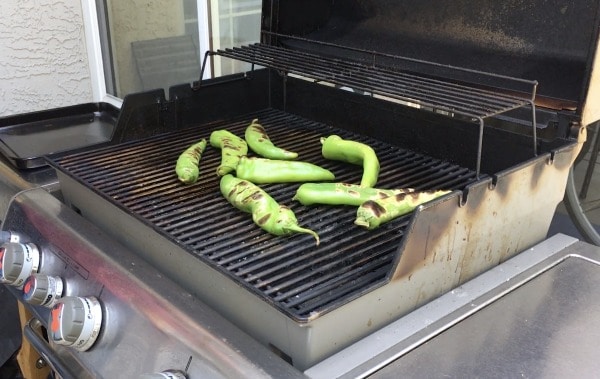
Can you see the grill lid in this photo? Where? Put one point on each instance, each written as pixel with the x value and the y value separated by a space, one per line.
pixel 552 42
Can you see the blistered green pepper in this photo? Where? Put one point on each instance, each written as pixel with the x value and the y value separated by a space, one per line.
pixel 232 148
pixel 373 213
pixel 258 140
pixel 341 193
pixel 263 171
pixel 336 148
pixel 186 168
pixel 266 212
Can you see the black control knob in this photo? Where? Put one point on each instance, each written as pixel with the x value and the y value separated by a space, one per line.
pixel 40 289
pixel 17 262
pixel 75 321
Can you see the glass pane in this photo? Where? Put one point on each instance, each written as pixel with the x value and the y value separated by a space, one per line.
pixel 234 23
pixel 238 6
pixel 152 44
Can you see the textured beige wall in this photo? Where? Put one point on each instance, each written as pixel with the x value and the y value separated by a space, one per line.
pixel 43 58
pixel 139 20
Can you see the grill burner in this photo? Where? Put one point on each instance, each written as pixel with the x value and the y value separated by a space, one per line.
pixel 299 278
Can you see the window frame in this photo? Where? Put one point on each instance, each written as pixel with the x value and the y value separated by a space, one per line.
pixel 94 54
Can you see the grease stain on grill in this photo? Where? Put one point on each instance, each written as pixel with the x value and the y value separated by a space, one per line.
pixel 300 279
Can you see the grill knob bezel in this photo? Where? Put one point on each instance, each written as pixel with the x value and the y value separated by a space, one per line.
pixel 44 290
pixel 18 261
pixel 75 322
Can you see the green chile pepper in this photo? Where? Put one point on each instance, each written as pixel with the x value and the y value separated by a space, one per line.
pixel 186 167
pixel 263 171
pixel 341 193
pixel 232 148
pixel 261 144
pixel 373 213
pixel 336 148
pixel 266 212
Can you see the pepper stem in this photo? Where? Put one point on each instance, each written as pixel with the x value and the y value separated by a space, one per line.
pixel 299 229
pixel 361 221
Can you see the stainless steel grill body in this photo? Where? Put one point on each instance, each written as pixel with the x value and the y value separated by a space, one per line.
pixel 303 301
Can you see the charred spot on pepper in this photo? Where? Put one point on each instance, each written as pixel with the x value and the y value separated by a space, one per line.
pixel 401 196
pixel 377 209
pixel 264 219
pixel 381 195
pixel 254 196
pixel 257 196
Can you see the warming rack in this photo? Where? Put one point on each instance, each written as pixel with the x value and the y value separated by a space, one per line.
pixel 425 92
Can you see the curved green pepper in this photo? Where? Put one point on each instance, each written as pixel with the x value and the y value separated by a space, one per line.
pixel 263 171
pixel 373 213
pixel 187 164
pixel 266 212
pixel 261 144
pixel 336 148
pixel 232 148
pixel 341 193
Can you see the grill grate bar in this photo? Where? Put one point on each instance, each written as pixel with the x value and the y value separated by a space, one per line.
pixel 314 290
pixel 299 283
pixel 348 287
pixel 296 276
pixel 422 91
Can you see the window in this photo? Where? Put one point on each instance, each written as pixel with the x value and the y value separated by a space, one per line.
pixel 234 23
pixel 140 45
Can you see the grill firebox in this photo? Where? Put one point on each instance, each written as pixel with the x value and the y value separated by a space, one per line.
pixel 293 274
pixel 308 301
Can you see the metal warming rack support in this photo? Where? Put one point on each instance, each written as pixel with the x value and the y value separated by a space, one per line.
pixel 428 93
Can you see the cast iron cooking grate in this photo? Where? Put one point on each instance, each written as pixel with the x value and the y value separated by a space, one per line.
pixel 292 273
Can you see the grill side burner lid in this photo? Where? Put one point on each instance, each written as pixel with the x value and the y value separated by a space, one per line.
pixel 553 42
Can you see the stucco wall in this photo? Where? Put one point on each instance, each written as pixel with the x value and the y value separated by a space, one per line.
pixel 43 58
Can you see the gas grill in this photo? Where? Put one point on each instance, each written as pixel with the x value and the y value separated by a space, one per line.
pixel 500 137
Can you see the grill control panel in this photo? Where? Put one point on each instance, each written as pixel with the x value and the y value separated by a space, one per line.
pixel 73 321
pixel 100 311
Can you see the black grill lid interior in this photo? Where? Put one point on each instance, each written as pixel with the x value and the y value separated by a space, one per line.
pixel 552 42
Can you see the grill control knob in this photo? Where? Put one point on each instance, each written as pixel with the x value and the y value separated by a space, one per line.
pixel 40 289
pixel 17 262
pixel 168 374
pixel 75 321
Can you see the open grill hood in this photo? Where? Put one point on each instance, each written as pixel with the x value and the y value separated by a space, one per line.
pixel 551 42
